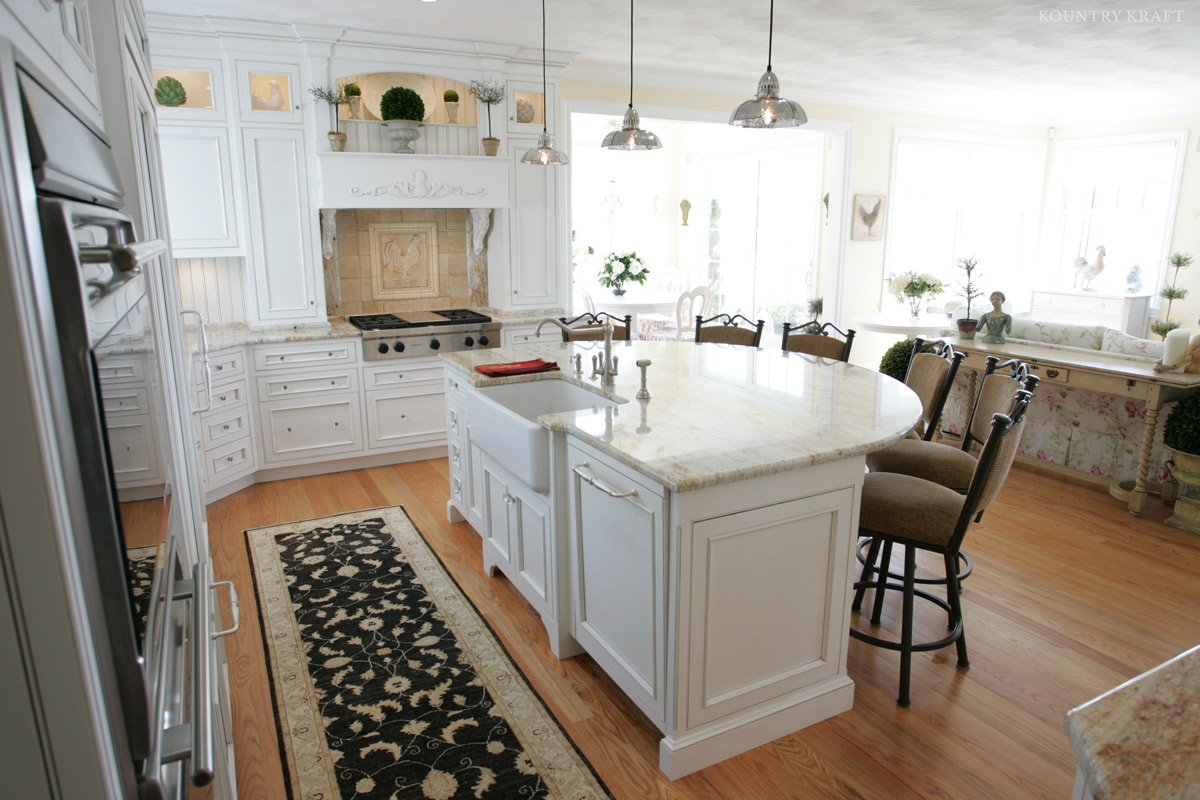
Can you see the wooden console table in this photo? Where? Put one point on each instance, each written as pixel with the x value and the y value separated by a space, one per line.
pixel 1097 372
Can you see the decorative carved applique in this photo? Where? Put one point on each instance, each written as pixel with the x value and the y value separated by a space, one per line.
pixel 419 188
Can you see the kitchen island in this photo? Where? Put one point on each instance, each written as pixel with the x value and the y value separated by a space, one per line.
pixel 699 544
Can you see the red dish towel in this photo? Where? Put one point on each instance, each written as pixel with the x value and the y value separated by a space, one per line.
pixel 516 368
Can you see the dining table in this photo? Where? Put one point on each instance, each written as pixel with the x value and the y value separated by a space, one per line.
pixel 636 302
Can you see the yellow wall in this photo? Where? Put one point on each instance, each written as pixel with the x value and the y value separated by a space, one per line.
pixel 873 132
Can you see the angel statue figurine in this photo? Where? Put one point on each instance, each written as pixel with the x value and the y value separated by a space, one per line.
pixel 995 322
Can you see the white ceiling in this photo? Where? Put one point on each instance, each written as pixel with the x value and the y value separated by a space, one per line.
pixel 989 59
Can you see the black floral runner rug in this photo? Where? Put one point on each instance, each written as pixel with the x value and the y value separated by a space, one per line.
pixel 386 681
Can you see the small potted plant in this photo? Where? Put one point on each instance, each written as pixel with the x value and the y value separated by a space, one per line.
pixel 622 268
pixel 489 93
pixel 353 94
pixel 1182 437
pixel 969 291
pixel 1171 293
pixel 451 99
pixel 913 288
pixel 335 98
pixel 402 110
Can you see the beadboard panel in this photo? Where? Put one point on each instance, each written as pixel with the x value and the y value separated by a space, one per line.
pixel 441 140
pixel 216 287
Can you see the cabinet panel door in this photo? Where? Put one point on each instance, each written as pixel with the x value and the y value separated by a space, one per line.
pixel 269 91
pixel 76 55
pixel 301 428
pixel 530 519
pixel 620 573
pixel 133 448
pixel 410 415
pixel 281 257
pixel 496 500
pixel 533 231
pixel 197 179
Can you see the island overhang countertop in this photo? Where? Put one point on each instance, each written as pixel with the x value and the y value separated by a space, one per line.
pixel 718 413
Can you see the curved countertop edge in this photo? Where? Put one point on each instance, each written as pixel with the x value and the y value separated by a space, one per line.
pixel 562 423
pixel 1141 738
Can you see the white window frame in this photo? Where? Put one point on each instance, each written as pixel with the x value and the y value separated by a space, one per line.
pixel 900 135
pixel 1051 244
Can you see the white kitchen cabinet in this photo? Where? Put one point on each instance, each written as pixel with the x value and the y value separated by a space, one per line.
pixel 310 426
pixel 619 578
pixel 269 92
pixel 517 530
pixel 134 449
pixel 283 265
pixel 525 109
pixel 206 101
pixel 198 179
pixel 408 415
pixel 76 54
pixel 62 30
pixel 1122 312
pixel 296 355
pixel 521 334
pixel 534 262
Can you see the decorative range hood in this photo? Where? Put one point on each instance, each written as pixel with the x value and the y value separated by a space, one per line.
pixel 385 180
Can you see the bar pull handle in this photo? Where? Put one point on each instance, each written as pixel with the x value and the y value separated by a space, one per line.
pixel 234 610
pixel 123 257
pixel 202 638
pixel 591 479
pixel 204 357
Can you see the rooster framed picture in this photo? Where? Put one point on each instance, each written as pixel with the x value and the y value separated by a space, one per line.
pixel 868 216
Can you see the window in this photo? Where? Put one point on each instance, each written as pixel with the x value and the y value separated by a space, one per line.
pixel 1118 193
pixel 955 196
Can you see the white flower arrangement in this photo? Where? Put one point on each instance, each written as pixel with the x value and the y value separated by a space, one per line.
pixel 621 268
pixel 912 288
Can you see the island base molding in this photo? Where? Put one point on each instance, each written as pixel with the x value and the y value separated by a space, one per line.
pixel 679 757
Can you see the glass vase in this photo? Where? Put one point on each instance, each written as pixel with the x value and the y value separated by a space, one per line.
pixel 914 305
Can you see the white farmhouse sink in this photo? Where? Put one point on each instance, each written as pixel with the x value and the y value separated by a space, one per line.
pixel 503 423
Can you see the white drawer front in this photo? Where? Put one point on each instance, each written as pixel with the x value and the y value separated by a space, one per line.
pixel 289 385
pixel 307 354
pixel 229 461
pixel 220 429
pixel 301 428
pixel 455 387
pixel 406 416
pixel 521 335
pixel 225 397
pixel 132 443
pixel 403 374
pixel 121 369
pixel 133 400
pixel 227 365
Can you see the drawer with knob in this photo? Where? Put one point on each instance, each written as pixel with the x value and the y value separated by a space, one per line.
pixel 407 416
pixel 274 387
pixel 229 461
pixel 117 401
pixel 1049 373
pixel 307 354
pixel 403 373
pixel 225 366
pixel 305 427
pixel 224 397
pixel 229 425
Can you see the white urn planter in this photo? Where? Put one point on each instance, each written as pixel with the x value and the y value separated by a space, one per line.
pixel 452 112
pixel 403 133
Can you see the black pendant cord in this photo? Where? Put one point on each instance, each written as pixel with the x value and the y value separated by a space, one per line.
pixel 631 53
pixel 544 117
pixel 770 35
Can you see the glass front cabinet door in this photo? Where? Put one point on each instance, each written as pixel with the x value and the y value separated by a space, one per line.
pixel 269 92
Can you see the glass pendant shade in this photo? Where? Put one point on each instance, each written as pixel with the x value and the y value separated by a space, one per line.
pixel 545 154
pixel 631 136
pixel 768 109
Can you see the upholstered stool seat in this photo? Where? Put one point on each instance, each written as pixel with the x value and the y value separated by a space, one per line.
pixel 910 508
pixel 945 465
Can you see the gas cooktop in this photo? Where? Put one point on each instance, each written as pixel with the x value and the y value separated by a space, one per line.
pixel 417 319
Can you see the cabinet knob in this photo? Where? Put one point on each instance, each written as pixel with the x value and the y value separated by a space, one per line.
pixel 1051 373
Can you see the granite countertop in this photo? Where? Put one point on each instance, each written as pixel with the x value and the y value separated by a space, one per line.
pixel 718 413
pixel 235 334
pixel 1142 739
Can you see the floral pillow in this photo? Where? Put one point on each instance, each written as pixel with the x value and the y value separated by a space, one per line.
pixel 1121 342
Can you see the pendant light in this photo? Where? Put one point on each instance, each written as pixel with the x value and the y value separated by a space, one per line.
pixel 768 109
pixel 631 136
pixel 545 154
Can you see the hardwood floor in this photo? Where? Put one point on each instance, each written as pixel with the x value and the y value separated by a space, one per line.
pixel 1070 597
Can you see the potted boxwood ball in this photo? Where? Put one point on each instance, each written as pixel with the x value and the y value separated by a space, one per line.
pixel 1182 438
pixel 402 110
pixel 451 99
pixel 895 361
pixel 353 94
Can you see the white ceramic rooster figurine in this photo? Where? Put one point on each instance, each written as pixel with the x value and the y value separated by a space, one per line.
pixel 272 102
pixel 1085 272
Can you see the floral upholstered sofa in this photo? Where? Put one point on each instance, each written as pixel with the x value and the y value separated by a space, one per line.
pixel 1092 433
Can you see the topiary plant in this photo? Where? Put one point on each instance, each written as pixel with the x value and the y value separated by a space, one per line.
pixel 169 92
pixel 450 96
pixel 352 90
pixel 895 360
pixel 402 103
pixel 1182 431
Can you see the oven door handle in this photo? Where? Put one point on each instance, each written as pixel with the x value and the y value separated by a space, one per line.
pixel 124 257
pixel 204 358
